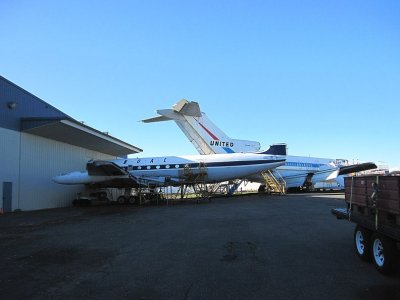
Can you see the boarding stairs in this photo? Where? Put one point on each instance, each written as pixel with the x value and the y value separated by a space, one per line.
pixel 196 178
pixel 274 182
pixel 234 186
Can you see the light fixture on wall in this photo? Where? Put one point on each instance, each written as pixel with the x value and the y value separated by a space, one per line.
pixel 11 105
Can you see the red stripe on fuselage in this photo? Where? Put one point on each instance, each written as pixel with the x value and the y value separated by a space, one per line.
pixel 209 132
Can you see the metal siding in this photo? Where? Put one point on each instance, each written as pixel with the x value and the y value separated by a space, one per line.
pixel 41 160
pixel 9 161
pixel 30 161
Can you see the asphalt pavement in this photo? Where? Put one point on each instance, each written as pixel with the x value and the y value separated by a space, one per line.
pixel 247 247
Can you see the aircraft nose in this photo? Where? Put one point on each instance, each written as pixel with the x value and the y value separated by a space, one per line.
pixel 58 179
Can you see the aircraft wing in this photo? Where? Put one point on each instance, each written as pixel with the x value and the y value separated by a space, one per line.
pixel 331 172
pixel 104 168
pixel 357 168
pixel 109 174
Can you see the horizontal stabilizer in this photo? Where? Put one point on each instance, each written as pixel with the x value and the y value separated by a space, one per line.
pixel 187 108
pixel 156 119
pixel 277 149
pixel 357 168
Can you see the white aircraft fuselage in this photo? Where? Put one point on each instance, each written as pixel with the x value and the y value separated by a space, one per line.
pixel 174 170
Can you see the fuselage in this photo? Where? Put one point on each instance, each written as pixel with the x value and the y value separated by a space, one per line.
pixel 215 167
pixel 296 169
pixel 174 170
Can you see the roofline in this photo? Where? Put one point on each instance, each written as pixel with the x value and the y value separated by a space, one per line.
pixel 83 127
pixel 88 129
pixel 34 96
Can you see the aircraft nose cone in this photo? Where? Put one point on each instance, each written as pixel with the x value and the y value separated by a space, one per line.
pixel 58 179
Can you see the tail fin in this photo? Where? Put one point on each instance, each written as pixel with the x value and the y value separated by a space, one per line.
pixel 276 149
pixel 201 132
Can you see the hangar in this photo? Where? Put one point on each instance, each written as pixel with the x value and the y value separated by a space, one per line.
pixel 38 142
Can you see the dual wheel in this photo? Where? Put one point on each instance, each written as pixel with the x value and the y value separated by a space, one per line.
pixel 376 247
pixel 123 200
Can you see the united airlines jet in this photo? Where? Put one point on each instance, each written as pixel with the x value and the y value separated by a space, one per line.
pixel 207 138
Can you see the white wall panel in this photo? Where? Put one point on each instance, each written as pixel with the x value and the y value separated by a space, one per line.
pixel 9 162
pixel 41 160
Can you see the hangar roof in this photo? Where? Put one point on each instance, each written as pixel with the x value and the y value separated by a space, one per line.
pixel 23 111
pixel 75 133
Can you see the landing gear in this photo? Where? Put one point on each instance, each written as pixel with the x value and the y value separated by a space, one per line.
pixel 261 188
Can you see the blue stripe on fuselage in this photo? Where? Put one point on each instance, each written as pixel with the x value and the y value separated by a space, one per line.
pixel 300 164
pixel 228 150
pixel 198 165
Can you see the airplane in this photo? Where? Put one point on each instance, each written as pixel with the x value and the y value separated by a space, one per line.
pixel 174 170
pixel 299 172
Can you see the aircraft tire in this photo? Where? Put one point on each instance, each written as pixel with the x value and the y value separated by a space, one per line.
pixel 362 243
pixel 384 253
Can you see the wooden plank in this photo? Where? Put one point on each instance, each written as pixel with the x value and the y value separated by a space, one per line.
pixel 360 189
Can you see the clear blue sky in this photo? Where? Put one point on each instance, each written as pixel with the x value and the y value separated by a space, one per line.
pixel 322 76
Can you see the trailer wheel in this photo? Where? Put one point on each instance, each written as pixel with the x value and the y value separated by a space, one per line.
pixel 362 244
pixel 121 200
pixel 132 200
pixel 384 252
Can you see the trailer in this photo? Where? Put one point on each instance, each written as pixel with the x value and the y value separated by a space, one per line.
pixel 373 204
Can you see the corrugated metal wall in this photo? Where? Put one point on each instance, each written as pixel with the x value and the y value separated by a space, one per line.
pixel 9 162
pixel 30 162
pixel 41 160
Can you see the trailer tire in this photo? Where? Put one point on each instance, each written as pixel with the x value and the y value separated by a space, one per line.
pixel 384 253
pixel 132 200
pixel 121 200
pixel 362 243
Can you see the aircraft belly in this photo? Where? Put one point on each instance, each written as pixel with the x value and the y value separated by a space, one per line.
pixel 234 172
pixel 296 182
pixel 293 178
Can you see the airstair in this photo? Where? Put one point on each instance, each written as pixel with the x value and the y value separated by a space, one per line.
pixel 274 182
pixel 234 186
pixel 197 182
